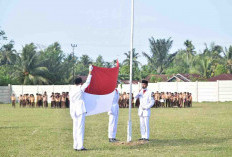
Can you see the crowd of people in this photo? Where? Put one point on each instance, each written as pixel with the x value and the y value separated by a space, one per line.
pixel 58 100
pixel 162 99
pixel 61 100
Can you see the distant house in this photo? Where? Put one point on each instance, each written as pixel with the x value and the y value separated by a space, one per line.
pixel 221 77
pixel 184 78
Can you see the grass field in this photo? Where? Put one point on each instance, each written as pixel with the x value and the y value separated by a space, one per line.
pixel 204 130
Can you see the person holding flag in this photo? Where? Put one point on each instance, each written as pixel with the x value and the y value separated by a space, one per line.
pixel 146 102
pixel 78 111
pixel 113 117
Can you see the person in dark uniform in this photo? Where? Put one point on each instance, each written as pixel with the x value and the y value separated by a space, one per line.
pixel 45 100
pixel 67 100
pixel 21 100
pixel 13 99
pixel 24 100
pixel 53 102
pixel 63 100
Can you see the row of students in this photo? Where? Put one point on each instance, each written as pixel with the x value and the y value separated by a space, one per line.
pixel 29 100
pixel 60 100
pixel 169 99
pixel 162 99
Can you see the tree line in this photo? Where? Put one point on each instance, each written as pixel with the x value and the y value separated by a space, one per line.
pixel 33 65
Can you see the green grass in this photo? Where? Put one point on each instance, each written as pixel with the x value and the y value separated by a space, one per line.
pixel 204 130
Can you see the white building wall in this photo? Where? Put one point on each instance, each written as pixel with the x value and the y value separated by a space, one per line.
pixel 201 91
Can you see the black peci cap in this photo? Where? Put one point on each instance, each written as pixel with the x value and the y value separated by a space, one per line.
pixel 145 81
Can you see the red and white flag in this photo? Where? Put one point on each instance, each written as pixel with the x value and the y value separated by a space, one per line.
pixel 99 94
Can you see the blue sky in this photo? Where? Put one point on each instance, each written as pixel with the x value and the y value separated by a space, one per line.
pixel 103 26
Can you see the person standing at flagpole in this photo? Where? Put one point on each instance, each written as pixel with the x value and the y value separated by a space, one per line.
pixel 146 102
pixel 78 111
pixel 113 118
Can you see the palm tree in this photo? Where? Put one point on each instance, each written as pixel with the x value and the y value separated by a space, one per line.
pixel 29 69
pixel 67 70
pixel 85 60
pixel 7 54
pixel 213 51
pixel 189 49
pixel 2 35
pixel 228 58
pixel 135 65
pixel 160 57
pixel 135 62
pixel 99 61
pixel 108 64
pixel 53 58
pixel 204 66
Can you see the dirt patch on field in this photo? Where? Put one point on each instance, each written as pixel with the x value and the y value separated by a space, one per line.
pixel 133 143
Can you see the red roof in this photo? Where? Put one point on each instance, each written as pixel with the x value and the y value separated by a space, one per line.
pixel 190 76
pixel 221 77
pixel 185 77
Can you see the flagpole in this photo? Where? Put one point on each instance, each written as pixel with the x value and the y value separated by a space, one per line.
pixel 129 125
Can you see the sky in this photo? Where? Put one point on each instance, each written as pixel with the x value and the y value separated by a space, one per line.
pixel 102 27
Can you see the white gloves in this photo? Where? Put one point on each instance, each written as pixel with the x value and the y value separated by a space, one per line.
pixel 90 67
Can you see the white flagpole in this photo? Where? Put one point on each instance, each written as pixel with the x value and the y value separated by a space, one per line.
pixel 129 125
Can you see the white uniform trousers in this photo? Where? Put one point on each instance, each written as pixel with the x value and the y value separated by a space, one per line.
pixel 78 131
pixel 144 127
pixel 112 128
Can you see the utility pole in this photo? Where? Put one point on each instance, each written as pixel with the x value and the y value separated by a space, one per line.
pixel 73 46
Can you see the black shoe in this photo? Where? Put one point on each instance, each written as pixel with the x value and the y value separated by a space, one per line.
pixel 83 149
pixel 141 139
pixel 111 140
pixel 115 140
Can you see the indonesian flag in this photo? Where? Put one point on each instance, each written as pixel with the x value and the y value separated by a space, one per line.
pixel 99 94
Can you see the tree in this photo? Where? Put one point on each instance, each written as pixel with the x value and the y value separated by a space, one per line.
pixel 2 35
pixel 108 65
pixel 29 69
pixel 82 66
pixel 214 51
pixel 145 71
pixel 228 58
pixel 220 69
pixel 135 57
pixel 99 61
pixel 179 64
pixel 7 54
pixel 5 75
pixel 135 65
pixel 67 69
pixel 154 79
pixel 189 50
pixel 53 58
pixel 124 72
pixel 160 57
pixel 204 66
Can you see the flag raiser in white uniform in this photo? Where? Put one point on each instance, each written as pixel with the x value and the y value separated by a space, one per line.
pixel 78 111
pixel 146 102
pixel 113 116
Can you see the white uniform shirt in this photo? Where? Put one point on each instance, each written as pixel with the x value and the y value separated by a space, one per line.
pixel 115 107
pixel 146 102
pixel 77 104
